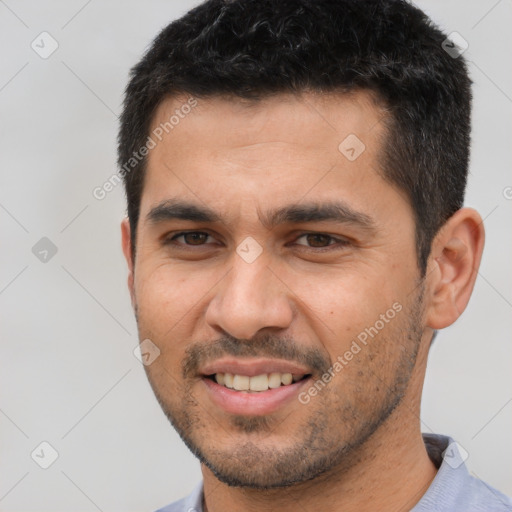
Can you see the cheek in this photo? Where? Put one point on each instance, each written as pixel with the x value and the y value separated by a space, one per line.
pixel 167 297
pixel 346 303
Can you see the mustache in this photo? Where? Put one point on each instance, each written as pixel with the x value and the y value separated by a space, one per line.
pixel 267 345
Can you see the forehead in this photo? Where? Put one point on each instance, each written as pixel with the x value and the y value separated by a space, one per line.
pixel 219 150
pixel 305 118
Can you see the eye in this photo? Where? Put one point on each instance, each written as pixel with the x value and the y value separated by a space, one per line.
pixel 320 240
pixel 190 238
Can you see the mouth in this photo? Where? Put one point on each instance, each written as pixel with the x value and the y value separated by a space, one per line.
pixel 258 383
pixel 253 387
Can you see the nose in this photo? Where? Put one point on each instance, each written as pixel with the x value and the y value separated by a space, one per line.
pixel 251 297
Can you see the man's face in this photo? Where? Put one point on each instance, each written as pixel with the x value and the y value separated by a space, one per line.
pixel 264 248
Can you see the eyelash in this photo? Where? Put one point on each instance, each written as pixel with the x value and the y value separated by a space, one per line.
pixel 338 242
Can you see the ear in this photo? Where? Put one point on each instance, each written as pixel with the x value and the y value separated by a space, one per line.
pixel 453 266
pixel 127 250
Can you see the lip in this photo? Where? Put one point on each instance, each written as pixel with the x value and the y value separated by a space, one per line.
pixel 259 403
pixel 253 366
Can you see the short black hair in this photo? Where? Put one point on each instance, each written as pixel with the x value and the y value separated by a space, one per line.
pixel 253 49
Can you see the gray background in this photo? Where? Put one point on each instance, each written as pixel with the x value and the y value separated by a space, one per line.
pixel 68 374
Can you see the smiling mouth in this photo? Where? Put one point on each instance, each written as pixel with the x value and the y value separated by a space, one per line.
pixel 257 383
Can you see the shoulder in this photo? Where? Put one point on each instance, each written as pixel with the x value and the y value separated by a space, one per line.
pixel 453 488
pixel 472 495
pixel 192 503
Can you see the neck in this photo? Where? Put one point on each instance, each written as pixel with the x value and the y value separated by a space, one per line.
pixel 390 472
pixel 375 482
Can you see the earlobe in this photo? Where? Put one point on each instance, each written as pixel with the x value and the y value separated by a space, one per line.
pixel 453 266
pixel 127 251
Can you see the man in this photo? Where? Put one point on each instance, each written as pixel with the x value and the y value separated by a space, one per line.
pixel 295 175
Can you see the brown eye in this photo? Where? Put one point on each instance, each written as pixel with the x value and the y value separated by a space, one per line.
pixel 315 240
pixel 195 238
pixel 191 238
pixel 320 241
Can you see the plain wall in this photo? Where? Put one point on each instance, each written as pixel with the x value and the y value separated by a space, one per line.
pixel 68 374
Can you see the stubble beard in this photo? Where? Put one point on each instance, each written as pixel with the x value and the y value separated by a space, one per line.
pixel 329 439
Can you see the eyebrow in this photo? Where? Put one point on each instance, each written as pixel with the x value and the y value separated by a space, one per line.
pixel 177 209
pixel 295 213
pixel 336 211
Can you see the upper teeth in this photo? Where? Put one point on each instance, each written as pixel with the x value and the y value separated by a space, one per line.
pixel 258 383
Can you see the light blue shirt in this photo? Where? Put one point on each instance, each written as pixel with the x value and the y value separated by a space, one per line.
pixel 452 490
